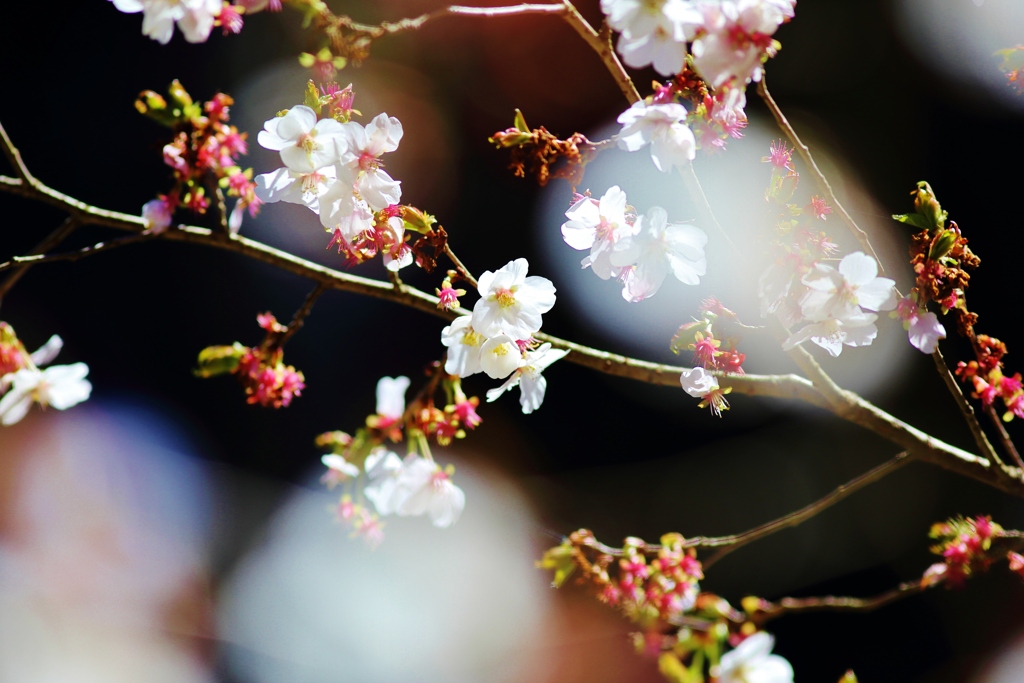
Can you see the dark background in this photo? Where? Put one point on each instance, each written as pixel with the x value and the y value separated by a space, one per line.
pixel 633 460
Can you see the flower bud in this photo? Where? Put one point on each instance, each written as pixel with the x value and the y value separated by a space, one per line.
pixel 942 244
pixel 926 204
pixel 219 360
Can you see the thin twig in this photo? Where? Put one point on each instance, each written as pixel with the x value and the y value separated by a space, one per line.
pixel 300 315
pixel 839 604
pixel 14 156
pixel 52 240
pixel 826 188
pixel 459 267
pixel 980 438
pixel 77 254
pixel 603 47
pixel 737 541
pixel 1004 436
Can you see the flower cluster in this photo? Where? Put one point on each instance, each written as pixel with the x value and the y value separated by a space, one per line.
pixel 963 545
pixel 410 486
pixel 203 156
pixel 713 340
pixel 656 587
pixel 713 116
pixel 941 260
pixel 730 41
pixel 639 251
pixel 836 305
pixel 332 166
pixel 195 18
pixel 260 369
pixel 497 339
pixel 22 383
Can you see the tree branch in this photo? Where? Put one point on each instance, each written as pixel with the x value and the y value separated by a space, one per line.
pixel 822 393
pixel 826 188
pixel 53 240
pixel 300 315
pixel 773 610
pixel 980 438
pixel 737 541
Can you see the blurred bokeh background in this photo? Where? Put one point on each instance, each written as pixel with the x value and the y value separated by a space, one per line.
pixel 166 531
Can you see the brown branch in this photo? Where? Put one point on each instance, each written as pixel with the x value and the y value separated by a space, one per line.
pixel 25 261
pixel 461 269
pixel 821 392
pixel 737 541
pixel 53 240
pixel 773 610
pixel 980 438
pixel 826 188
pixel 1004 436
pixel 300 315
pixel 14 157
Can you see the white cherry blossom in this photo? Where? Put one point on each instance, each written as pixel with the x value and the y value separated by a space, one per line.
pixel 306 145
pixel 391 396
pixel 597 226
pixel 529 378
pixel 338 470
pixel 752 662
pixel 510 302
pixel 360 165
pixel 424 488
pixel 737 38
pixel 663 127
pixel 659 247
pixel 653 31
pixel 855 283
pixel 697 382
pixel 59 386
pixel 463 344
pixel 195 18
pixel 850 326
pixel 383 469
pixel 286 185
pixel 400 254
pixel 340 209
pixel 500 356
pixel 925 331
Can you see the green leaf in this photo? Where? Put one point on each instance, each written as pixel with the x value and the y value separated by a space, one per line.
pixel 219 360
pixel 561 559
pixel 915 219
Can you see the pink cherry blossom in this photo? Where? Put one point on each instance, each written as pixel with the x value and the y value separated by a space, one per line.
pixel 597 226
pixel 658 248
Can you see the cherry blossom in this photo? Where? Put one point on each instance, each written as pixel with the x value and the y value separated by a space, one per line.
pixel 306 145
pixel 923 327
pixel 529 378
pixel 752 662
pixel 195 18
pixel 338 470
pixel 383 469
pixel 657 248
pixel 653 32
pixel 412 487
pixel 157 213
pixel 344 213
pixel 697 382
pixel 463 344
pixel 500 356
pixel 424 488
pixel 60 386
pixel 663 127
pixel 850 326
pixel 597 226
pixel 360 165
pixel 737 39
pixel 855 283
pixel 286 185
pixel 391 399
pixel 510 302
